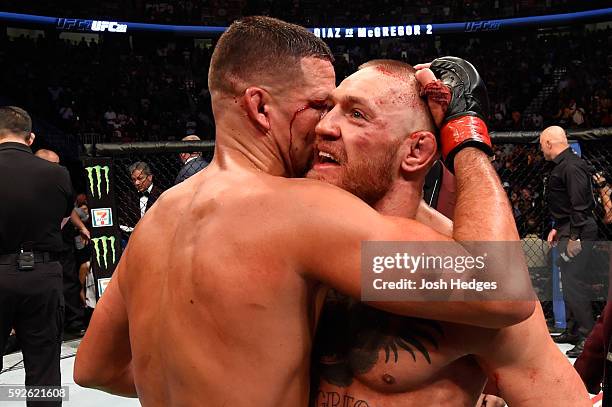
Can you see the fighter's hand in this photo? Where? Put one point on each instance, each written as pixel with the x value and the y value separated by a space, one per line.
pixel 438 95
pixel 463 124
pixel 552 238
pixel 573 248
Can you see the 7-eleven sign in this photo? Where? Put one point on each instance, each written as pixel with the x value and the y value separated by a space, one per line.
pixel 101 217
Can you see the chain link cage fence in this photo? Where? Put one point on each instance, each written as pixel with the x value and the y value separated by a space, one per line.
pixel 524 173
pixel 164 162
pixel 518 161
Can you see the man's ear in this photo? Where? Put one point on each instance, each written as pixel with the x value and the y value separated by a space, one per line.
pixel 30 139
pixel 419 152
pixel 256 105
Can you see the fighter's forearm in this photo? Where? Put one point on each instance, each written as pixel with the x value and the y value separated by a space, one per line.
pixel 483 211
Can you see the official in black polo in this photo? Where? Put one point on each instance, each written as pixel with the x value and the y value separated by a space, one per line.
pixel 570 200
pixel 36 196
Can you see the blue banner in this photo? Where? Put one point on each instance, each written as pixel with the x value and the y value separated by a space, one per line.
pixel 388 31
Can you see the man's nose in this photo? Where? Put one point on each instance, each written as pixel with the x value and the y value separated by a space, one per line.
pixel 328 128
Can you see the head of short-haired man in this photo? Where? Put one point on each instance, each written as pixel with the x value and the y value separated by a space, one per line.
pixel 268 80
pixel 15 126
pixel 48 155
pixel 186 156
pixel 141 176
pixel 553 142
pixel 377 134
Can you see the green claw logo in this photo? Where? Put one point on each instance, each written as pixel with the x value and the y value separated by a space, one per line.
pixel 96 172
pixel 103 243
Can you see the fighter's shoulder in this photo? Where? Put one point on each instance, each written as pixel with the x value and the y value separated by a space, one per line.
pixel 168 198
pixel 317 193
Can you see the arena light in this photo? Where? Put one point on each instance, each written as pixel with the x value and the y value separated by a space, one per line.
pixel 327 32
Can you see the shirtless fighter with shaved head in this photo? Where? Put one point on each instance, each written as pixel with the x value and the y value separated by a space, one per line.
pixel 217 305
pixel 364 357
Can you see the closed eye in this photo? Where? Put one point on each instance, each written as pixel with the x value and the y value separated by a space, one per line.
pixel 322 107
pixel 319 106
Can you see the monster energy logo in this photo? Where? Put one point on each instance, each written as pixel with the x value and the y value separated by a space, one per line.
pixel 96 172
pixel 103 243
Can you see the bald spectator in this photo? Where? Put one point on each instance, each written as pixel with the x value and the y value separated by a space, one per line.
pixel 73 310
pixel 74 217
pixel 192 162
pixel 48 155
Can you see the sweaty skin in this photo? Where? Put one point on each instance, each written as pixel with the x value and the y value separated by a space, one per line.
pixel 364 357
pixel 217 296
pixel 450 365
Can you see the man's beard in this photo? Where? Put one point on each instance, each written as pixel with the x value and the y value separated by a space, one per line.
pixel 367 178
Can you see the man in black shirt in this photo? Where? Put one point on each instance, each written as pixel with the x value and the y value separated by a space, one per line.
pixel 570 200
pixel 36 196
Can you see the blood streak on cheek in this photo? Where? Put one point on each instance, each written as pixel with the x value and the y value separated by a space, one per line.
pixel 295 115
pixel 437 92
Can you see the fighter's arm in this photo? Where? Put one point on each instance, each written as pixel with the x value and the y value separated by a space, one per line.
pixel 330 251
pixel 103 360
pixel 526 366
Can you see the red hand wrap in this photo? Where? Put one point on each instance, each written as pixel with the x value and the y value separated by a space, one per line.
pixel 464 128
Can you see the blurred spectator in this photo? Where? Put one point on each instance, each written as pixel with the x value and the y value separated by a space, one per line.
pixel 537 256
pixel 192 162
pixel 146 195
pixel 83 248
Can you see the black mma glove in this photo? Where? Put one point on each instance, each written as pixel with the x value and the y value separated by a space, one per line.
pixel 464 122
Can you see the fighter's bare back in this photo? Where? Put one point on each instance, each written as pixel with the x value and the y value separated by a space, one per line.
pixel 225 318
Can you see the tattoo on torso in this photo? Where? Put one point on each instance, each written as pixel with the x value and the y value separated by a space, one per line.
pixel 351 335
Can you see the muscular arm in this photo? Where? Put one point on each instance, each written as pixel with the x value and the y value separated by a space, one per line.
pixel 527 367
pixel 103 360
pixel 331 250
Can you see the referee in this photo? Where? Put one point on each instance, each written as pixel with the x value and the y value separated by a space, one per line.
pixel 36 196
pixel 570 200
